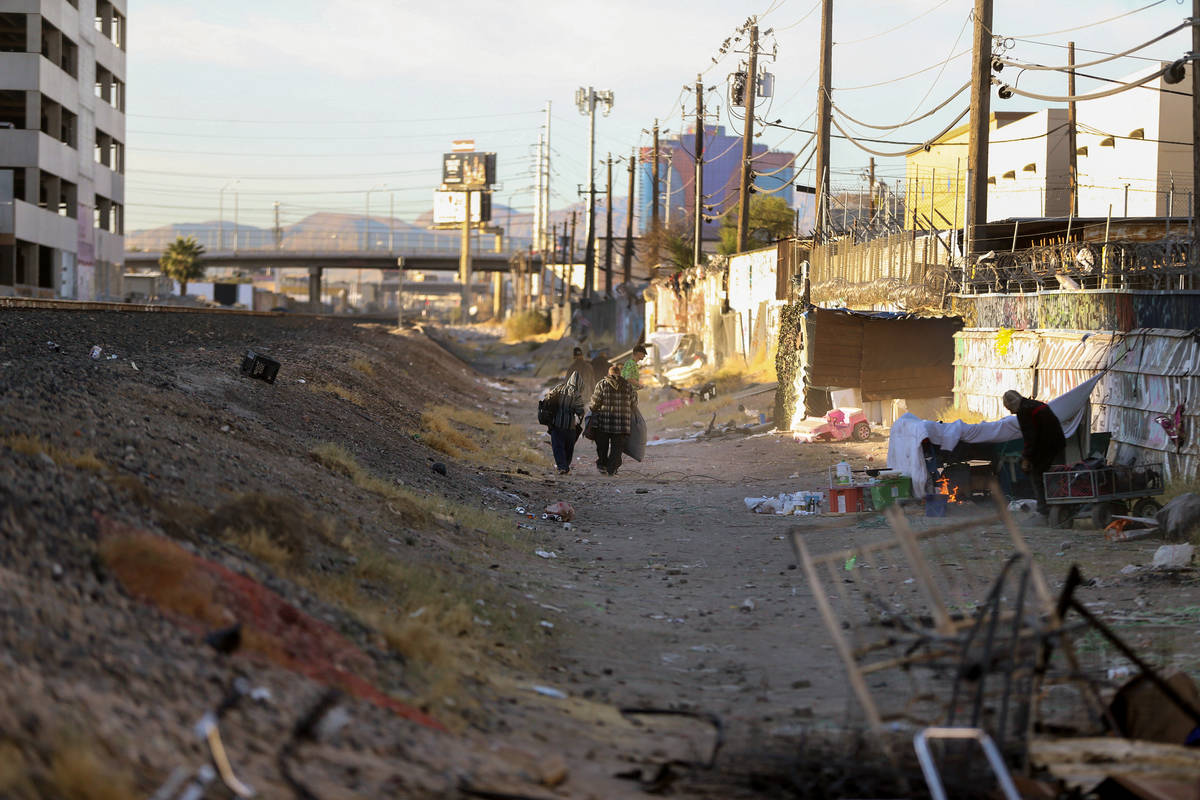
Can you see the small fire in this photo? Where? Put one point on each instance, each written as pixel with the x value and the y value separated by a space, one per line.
pixel 943 487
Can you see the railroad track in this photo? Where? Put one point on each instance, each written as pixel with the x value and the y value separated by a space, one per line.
pixel 94 305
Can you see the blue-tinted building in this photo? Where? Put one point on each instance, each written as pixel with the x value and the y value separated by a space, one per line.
pixel 721 159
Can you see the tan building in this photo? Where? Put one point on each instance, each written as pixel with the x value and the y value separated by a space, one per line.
pixel 1133 152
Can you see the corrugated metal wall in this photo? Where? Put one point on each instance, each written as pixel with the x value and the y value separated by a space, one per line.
pixel 1154 370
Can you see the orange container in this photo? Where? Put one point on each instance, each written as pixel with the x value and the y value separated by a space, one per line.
pixel 846 500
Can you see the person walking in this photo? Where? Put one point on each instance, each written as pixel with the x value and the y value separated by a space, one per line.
pixel 564 425
pixel 583 368
pixel 600 363
pixel 631 369
pixel 1044 440
pixel 613 405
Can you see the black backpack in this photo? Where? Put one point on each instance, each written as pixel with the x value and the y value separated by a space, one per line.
pixel 547 409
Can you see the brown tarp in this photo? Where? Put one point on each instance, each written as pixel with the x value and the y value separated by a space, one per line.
pixel 909 358
pixel 884 357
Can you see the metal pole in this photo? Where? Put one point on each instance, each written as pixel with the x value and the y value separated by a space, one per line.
pixel 539 220
pixel 546 187
pixel 235 221
pixel 980 120
pixel 464 259
pixel 1191 68
pixel 589 251
pixel 627 257
pixel 824 112
pixel 391 223
pixel 698 175
pixel 1072 146
pixel 608 242
pixel 743 228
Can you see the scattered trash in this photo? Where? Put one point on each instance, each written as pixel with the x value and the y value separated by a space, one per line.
pixel 96 351
pixel 548 691
pixel 567 526
pixel 224 429
pixel 1174 556
pixel 256 365
pixel 562 511
pixel 747 606
pixel 546 624
pixel 417 613
pixel 112 357
pixel 520 510
pixel 545 553
pixel 801 503
pixel 301 380
pixel 54 347
pixel 135 366
pixel 1123 528
pixel 1027 506
pixel 1129 569
pixel 850 563
pixel 438 467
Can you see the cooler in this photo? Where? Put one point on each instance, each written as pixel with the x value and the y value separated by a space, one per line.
pixel 888 490
pixel 846 499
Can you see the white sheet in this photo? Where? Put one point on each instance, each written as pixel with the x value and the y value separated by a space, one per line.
pixel 907 433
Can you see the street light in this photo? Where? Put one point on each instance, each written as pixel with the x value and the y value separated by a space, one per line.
pixel 586 100
pixel 221 215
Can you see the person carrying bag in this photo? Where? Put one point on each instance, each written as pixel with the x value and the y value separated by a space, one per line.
pixel 561 411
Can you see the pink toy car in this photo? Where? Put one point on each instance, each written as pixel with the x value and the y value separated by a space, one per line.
pixel 838 424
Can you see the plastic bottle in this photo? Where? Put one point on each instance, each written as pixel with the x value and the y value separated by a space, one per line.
pixel 842 474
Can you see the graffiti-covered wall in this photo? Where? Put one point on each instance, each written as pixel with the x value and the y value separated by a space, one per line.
pixel 1088 310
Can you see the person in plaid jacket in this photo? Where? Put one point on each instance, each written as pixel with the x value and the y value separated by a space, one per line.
pixel 613 404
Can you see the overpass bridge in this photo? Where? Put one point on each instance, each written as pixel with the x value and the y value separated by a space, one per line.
pixel 317 261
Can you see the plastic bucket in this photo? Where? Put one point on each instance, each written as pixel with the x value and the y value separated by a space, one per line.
pixel 935 505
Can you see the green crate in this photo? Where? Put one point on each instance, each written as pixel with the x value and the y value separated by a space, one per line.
pixel 889 490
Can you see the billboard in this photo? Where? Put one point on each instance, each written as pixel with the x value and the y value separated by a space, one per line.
pixel 448 207
pixel 469 170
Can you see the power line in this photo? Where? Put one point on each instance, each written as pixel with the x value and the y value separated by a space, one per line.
pixel 959 54
pixel 1080 98
pixel 329 121
pixel 1110 57
pixel 909 121
pixel 1090 24
pixel 896 28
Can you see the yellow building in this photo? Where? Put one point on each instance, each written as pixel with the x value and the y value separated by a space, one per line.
pixel 935 179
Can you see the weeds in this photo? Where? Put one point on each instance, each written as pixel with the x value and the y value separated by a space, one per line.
pixel 1179 486
pixel 472 435
pixel 349 395
pixel 31 446
pixel 362 365
pixel 74 772
pixel 526 324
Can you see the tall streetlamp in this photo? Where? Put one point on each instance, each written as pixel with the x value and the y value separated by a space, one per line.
pixel 586 100
pixel 221 215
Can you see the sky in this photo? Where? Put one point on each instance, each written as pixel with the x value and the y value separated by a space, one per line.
pixel 331 106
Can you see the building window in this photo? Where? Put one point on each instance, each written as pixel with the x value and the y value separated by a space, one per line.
pixel 110 88
pixel 110 23
pixel 59 122
pixel 59 49
pixel 13 33
pixel 12 110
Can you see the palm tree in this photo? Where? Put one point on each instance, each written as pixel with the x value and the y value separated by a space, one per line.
pixel 181 261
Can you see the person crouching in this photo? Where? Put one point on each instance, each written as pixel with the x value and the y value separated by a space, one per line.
pixel 613 405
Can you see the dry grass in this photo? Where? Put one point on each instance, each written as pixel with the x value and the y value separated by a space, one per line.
pixel 79 773
pixel 349 395
pixel 32 446
pixel 362 365
pixel 953 413
pixel 75 771
pixel 1178 487
pixel 526 324
pixel 471 435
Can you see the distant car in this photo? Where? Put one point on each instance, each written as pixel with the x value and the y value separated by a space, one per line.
pixel 838 425
pixel 281 309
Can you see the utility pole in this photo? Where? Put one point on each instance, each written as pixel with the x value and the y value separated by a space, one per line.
pixel 743 228
pixel 278 231
pixel 980 121
pixel 824 114
pixel 571 258
pixel 871 178
pixel 391 223
pixel 235 221
pixel 539 220
pixel 1191 67
pixel 608 242
pixel 546 183
pixel 698 176
pixel 654 202
pixel 586 100
pixel 627 256
pixel 1073 163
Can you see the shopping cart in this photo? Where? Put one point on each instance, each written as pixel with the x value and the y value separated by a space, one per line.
pixel 1102 491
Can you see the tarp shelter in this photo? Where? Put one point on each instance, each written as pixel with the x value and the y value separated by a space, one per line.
pixel 886 355
pixel 909 430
